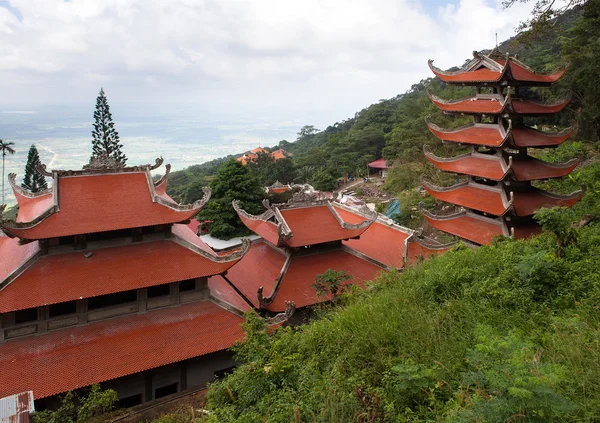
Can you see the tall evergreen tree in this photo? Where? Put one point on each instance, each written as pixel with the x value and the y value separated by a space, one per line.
pixel 5 148
pixel 33 180
pixel 105 137
pixel 233 182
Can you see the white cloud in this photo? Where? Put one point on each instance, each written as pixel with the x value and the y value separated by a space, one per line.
pixel 263 56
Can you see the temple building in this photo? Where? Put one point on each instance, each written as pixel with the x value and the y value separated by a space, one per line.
pixel 305 238
pixel 498 197
pixel 253 155
pixel 102 281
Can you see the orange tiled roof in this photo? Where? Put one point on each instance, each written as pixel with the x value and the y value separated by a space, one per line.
pixel 264 228
pixel 383 243
pixel 531 169
pixel 473 196
pixel 13 255
pixel 303 270
pixel 528 202
pixel 98 203
pixel 479 75
pixel 315 225
pixel 521 73
pixel 261 266
pixel 418 251
pixel 529 107
pixel 477 229
pixel 481 134
pixel 527 137
pixel 475 164
pixel 69 276
pixel 69 359
pixel 470 105
pixel 280 154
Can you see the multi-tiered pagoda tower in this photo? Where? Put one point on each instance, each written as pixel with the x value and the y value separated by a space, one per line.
pixel 498 197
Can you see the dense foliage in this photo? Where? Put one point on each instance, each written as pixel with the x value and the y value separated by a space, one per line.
pixel 233 181
pixel 78 409
pixel 105 138
pixel 33 180
pixel 508 332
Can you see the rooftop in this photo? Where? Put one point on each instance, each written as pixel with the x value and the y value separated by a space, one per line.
pixel 69 359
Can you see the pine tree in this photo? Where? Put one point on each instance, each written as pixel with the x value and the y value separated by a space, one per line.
pixel 233 182
pixel 33 180
pixel 105 138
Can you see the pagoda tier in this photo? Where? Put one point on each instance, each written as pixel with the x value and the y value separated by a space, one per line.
pixel 494 135
pixel 302 226
pixel 512 200
pixel 110 198
pixel 497 201
pixel 495 167
pixel 492 70
pixel 497 104
pixel 29 279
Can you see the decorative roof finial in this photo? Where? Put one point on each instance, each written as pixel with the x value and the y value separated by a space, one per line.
pixel 103 162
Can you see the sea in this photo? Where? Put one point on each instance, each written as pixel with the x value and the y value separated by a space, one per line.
pixel 62 136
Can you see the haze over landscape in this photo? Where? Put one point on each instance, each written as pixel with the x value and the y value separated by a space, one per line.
pixel 193 81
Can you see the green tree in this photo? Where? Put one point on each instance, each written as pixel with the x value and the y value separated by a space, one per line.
pixel 305 174
pixel 582 52
pixel 74 409
pixel 33 180
pixel 232 182
pixel 105 138
pixel 323 181
pixel 331 282
pixel 6 148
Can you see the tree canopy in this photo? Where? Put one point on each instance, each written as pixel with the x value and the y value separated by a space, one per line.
pixel 233 181
pixel 33 180
pixel 105 138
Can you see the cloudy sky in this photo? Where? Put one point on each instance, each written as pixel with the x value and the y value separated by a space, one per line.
pixel 324 59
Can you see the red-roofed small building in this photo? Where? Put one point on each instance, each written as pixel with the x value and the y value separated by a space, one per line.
pixel 498 199
pixel 380 166
pixel 253 155
pixel 102 280
pixel 302 240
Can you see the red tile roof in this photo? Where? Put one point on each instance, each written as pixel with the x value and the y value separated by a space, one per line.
pixel 266 229
pixel 472 196
pixel 69 276
pixel 532 169
pixel 221 290
pixel 470 105
pixel 73 358
pixel 381 242
pixel 529 107
pixel 98 203
pixel 528 202
pixel 303 271
pixel 477 229
pixel 30 208
pixel 474 164
pixel 379 164
pixel 525 137
pixel 479 75
pixel 13 255
pixel 526 230
pixel 261 266
pixel 482 134
pixel 315 225
pixel 418 251
pixel 520 73
pixel 280 154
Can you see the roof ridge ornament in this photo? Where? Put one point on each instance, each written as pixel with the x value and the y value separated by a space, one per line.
pixel 24 192
pixel 102 162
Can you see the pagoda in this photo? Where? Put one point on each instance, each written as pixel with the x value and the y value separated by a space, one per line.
pixel 498 197
pixel 306 237
pixel 103 281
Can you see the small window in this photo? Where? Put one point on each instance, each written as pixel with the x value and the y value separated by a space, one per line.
pixel 220 374
pixel 112 299
pixel 61 309
pixel 130 401
pixel 166 390
pixel 27 315
pixel 188 285
pixel 158 291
